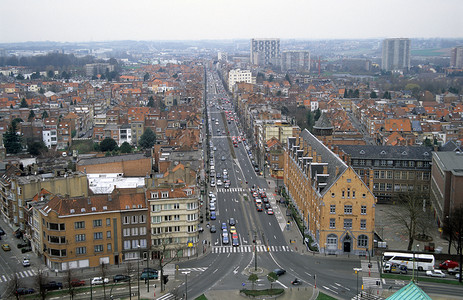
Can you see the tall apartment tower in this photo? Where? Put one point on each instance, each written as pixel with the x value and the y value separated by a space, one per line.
pixel 296 60
pixel 396 55
pixel 456 57
pixel 265 52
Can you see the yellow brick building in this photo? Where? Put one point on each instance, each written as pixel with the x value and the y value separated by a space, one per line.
pixel 337 208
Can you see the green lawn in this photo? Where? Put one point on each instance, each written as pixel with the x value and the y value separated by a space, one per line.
pixel 202 297
pixel 267 292
pixel 322 296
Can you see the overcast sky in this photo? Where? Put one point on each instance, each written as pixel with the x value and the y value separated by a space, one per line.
pixel 103 20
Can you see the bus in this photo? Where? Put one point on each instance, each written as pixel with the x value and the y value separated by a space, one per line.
pixel 422 262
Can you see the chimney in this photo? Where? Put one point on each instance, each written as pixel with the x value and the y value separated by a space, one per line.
pixel 325 169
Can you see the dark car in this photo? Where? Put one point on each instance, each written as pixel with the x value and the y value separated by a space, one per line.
pixel 279 272
pixel 232 222
pixel 213 229
pixel 26 249
pixel 24 291
pixel 150 270
pixel 2 232
pixel 77 282
pixel 53 285
pixel 22 245
pixel 213 215
pixel 119 278
pixel 256 169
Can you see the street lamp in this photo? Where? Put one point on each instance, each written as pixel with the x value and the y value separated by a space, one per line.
pixel 138 274
pixel 186 283
pixel 417 267
pixel 357 270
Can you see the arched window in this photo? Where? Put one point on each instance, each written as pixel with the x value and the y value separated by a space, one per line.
pixel 332 240
pixel 362 241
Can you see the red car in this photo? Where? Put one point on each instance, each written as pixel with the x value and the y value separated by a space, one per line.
pixel 77 282
pixel 259 207
pixel 448 264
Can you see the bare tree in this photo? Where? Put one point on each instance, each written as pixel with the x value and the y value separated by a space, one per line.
pixel 161 252
pixel 41 281
pixel 128 270
pixel 410 207
pixel 453 230
pixel 12 286
pixel 68 281
pixel 103 275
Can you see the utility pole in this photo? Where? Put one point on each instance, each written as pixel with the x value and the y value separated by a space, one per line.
pixel 357 270
pixel 255 251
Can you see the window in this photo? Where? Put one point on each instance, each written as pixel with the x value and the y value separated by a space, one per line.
pixel 156 219
pixel 98 235
pixel 376 174
pixel 332 239
pixel 109 247
pixel 191 229
pixel 97 223
pixel 81 250
pixel 98 248
pixel 348 209
pixel 347 223
pixel 134 219
pixel 142 230
pixel 79 225
pixel 126 245
pixel 142 218
pixel 156 207
pixel 362 241
pixel 332 208
pixel 353 194
pixel 332 195
pixel 108 234
pixel 411 164
pixel 167 218
pixel 143 243
pixel 135 244
pixel 126 232
pixel 126 220
pixel 176 217
pixel 191 217
pixel 168 206
pixel 108 222
pixel 332 223
pixel 80 237
pixel 176 228
pixel 363 224
pixel 363 210
pixel 135 231
pixel 389 174
pixel 176 206
pixel 343 194
pixel 192 205
pixel 165 195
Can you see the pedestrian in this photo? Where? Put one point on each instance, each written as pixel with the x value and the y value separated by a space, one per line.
pixel 290 241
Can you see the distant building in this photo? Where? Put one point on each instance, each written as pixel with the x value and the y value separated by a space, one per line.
pixel 222 56
pixel 98 68
pixel 396 55
pixel 237 75
pixel 456 57
pixel 265 52
pixel 295 60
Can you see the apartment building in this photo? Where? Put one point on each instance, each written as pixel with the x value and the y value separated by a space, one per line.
pixel 174 220
pixel 396 55
pixel 295 60
pixel 237 75
pixel 19 188
pixel 395 169
pixel 79 232
pixel 337 208
pixel 265 52
pixel 456 57
pixel 446 183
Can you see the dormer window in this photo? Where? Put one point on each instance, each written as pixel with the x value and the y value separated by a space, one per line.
pixel 72 210
pixel 154 195
pixel 93 208
pixel 82 210
pixel 165 195
pixel 383 152
pixel 362 151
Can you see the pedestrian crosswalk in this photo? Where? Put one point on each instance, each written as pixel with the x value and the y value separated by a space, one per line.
pixel 198 269
pixel 233 190
pixel 22 274
pixel 244 249
pixel 372 282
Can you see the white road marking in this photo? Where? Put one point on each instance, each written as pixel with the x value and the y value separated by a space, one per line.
pixel 282 284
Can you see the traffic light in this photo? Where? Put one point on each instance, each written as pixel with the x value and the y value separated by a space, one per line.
pixel 165 278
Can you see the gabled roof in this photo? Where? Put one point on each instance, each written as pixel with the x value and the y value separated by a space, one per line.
pixel 409 292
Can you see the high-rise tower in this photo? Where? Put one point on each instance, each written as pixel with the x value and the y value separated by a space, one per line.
pixel 396 55
pixel 265 52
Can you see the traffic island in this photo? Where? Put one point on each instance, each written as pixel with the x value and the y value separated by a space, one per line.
pixel 262 294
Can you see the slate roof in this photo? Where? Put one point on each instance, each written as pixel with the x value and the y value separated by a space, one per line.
pixel 409 292
pixel 110 159
pixel 323 122
pixel 450 161
pixel 327 156
pixel 388 152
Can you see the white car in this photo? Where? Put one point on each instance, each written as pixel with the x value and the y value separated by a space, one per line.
pixel 435 273
pixel 225 172
pixel 99 280
pixel 219 182
pixel 26 262
pixel 212 206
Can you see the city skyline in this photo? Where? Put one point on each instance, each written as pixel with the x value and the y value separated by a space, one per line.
pixel 83 21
